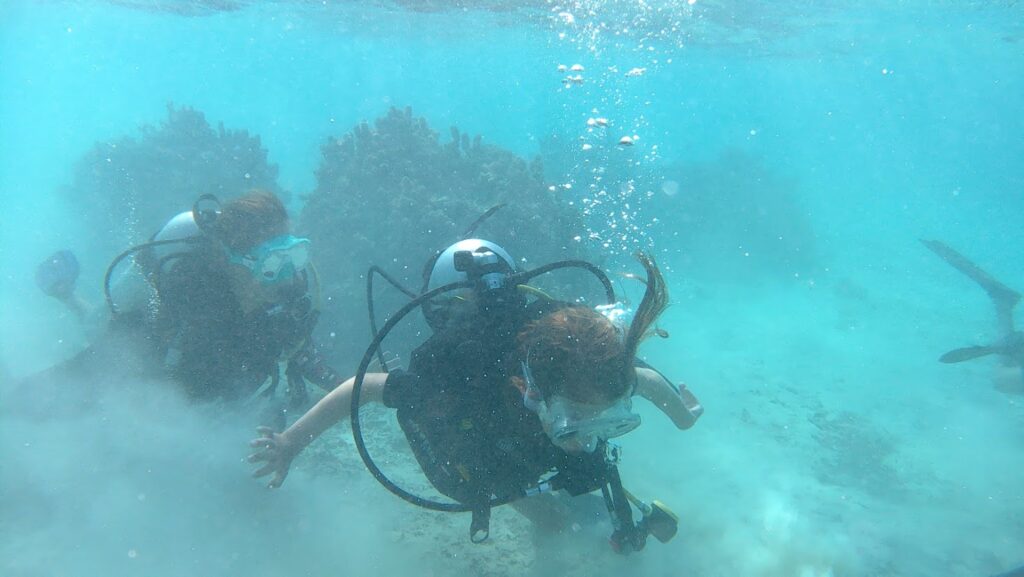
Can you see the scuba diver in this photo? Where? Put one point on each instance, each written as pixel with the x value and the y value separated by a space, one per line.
pixel 215 301
pixel 508 401
pixel 1010 347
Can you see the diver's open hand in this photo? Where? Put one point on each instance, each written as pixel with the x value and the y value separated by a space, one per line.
pixel 276 451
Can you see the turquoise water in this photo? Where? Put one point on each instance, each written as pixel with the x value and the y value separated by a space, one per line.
pixel 834 442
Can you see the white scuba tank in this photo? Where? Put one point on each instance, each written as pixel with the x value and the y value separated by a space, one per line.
pixel 130 289
pixel 180 227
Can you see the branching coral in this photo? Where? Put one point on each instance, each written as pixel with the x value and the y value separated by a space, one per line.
pixel 132 186
pixel 392 194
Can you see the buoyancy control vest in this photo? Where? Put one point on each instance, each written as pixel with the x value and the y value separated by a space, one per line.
pixel 466 423
pixel 468 428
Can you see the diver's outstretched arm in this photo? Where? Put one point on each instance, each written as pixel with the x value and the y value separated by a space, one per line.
pixel 1003 297
pixel 278 449
pixel 678 404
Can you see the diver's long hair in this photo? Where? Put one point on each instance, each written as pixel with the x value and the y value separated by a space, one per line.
pixel 578 352
pixel 654 303
pixel 252 218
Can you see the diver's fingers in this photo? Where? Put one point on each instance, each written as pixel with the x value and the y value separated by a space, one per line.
pixel 279 478
pixel 261 456
pixel 265 431
pixel 262 442
pixel 264 470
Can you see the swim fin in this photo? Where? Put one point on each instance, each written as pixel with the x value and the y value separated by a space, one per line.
pixel 968 353
pixel 1003 297
pixel 1018 572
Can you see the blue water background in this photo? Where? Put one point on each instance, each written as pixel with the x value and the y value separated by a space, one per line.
pixel 896 121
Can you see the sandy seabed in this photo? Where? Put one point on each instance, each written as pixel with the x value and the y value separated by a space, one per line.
pixel 833 444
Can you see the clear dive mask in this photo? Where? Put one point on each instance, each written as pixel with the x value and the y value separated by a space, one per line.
pixel 573 425
pixel 275 260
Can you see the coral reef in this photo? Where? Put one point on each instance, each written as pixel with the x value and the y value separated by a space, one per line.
pixel 131 186
pixel 392 193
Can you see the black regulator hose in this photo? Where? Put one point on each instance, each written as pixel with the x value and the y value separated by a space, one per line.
pixel 374 348
pixel 357 389
pixel 480 220
pixel 137 248
pixel 527 276
pixel 370 307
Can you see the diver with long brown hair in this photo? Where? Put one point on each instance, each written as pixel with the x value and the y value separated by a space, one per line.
pixel 511 399
pixel 214 302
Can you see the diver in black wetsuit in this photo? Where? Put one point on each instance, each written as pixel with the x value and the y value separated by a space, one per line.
pixel 509 399
pixel 1010 347
pixel 215 301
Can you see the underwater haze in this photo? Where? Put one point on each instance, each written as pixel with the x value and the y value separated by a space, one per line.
pixel 781 161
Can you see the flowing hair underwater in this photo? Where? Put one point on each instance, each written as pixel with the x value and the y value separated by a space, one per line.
pixel 579 352
pixel 653 304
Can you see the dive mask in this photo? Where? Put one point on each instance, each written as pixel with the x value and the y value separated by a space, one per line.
pixel 275 260
pixel 573 425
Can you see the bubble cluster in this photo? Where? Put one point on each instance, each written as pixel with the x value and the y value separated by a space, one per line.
pixel 611 54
